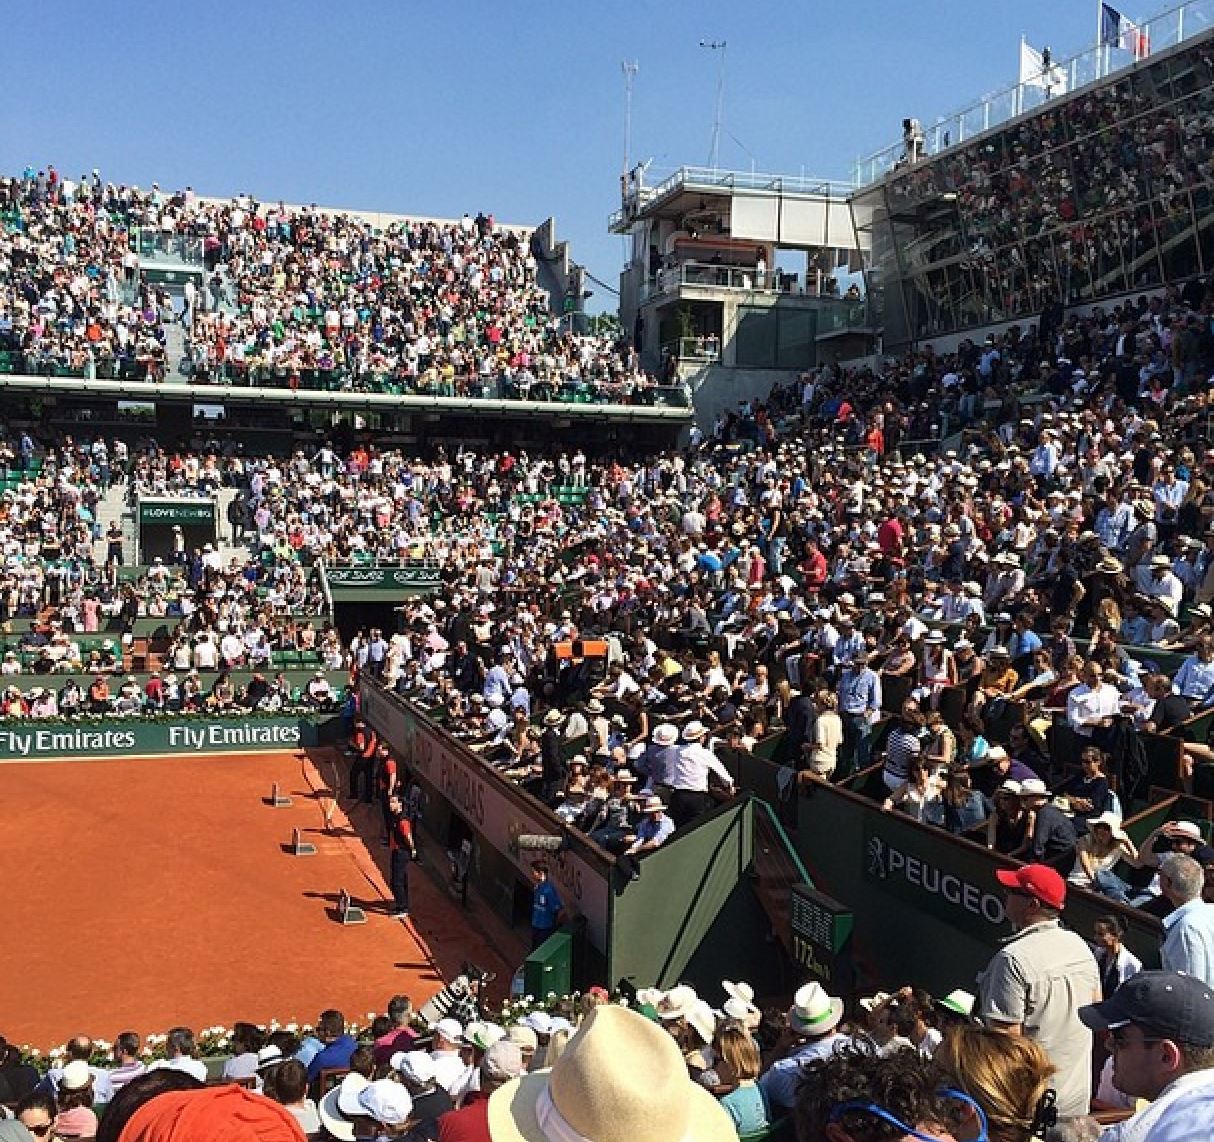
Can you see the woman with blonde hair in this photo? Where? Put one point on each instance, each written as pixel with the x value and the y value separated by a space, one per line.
pixel 745 1103
pixel 822 750
pixel 1107 615
pixel 1008 1076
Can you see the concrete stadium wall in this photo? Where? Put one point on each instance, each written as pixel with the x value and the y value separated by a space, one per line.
pixel 716 388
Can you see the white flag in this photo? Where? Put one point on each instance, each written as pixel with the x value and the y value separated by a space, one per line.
pixel 1035 73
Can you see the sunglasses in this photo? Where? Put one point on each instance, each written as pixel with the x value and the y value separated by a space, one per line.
pixel 860 1106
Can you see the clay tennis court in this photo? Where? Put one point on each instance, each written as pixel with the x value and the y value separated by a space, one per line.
pixel 139 893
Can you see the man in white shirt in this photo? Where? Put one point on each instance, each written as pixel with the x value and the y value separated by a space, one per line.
pixel 206 653
pixel 1092 703
pixel 1160 1028
pixel 1157 579
pixel 231 649
pixel 689 776
pixel 179 1055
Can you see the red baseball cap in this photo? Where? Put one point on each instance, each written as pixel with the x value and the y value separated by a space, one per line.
pixel 1038 880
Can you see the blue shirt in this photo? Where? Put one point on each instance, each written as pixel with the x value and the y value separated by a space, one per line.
pixel 309 1049
pixel 1194 679
pixel 1024 642
pixel 779 1083
pixel 336 1054
pixel 1188 943
pixel 497 684
pixel 748 1109
pixel 652 830
pixel 859 691
pixel 545 906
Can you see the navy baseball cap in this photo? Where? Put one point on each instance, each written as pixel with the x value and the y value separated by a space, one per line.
pixel 1168 1004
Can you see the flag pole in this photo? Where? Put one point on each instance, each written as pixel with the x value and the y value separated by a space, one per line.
pixel 1100 49
pixel 1018 98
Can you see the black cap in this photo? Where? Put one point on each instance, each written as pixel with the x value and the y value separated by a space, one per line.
pixel 1168 1004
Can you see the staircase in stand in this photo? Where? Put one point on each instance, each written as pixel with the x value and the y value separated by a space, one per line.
pixel 777 868
pixel 111 507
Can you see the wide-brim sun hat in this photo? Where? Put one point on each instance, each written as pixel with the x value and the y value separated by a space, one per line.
pixel 1112 820
pixel 813 1011
pixel 959 1002
pixel 739 990
pixel 738 1009
pixel 702 1019
pixel 694 731
pixel 620 1079
pixel 677 1002
pixel 341 1105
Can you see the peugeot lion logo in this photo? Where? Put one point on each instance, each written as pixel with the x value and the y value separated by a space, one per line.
pixel 876 858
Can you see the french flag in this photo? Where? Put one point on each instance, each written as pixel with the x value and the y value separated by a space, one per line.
pixel 1118 31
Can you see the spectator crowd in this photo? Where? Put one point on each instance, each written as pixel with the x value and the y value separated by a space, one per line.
pixel 288 297
pixel 1014 1063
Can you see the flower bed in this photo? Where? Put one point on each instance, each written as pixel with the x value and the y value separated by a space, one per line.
pixel 216 1042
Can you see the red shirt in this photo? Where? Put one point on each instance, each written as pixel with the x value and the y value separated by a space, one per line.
pixel 814 569
pixel 398 1039
pixel 889 536
pixel 468 1124
pixel 401 836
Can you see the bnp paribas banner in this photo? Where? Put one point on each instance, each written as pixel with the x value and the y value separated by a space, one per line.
pixel 28 741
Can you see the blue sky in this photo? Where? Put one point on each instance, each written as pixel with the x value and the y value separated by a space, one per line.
pixel 514 108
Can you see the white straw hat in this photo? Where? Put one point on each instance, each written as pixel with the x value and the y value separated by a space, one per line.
pixel 620 1079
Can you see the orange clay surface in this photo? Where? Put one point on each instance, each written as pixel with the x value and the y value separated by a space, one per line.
pixel 141 893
